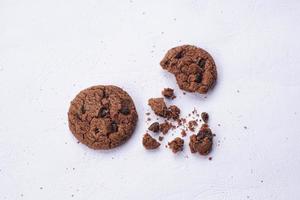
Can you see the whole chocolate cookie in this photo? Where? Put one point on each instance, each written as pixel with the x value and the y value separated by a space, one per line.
pixel 102 117
pixel 193 67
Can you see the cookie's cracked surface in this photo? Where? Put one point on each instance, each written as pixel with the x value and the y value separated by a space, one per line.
pixel 102 117
pixel 193 67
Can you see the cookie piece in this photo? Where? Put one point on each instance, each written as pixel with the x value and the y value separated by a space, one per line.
pixel 154 127
pixel 149 142
pixel 202 142
pixel 176 145
pixel 158 106
pixel 173 112
pixel 168 93
pixel 165 127
pixel 205 116
pixel 193 67
pixel 102 117
pixel 192 125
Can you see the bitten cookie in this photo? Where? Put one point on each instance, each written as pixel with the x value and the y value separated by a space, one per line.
pixel 102 117
pixel 193 67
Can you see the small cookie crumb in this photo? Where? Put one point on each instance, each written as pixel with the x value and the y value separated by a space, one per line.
pixel 158 106
pixel 165 127
pixel 149 142
pixel 154 127
pixel 205 116
pixel 173 112
pixel 168 93
pixel 176 145
pixel 183 133
pixel 160 138
pixel 210 158
pixel 202 142
pixel 192 125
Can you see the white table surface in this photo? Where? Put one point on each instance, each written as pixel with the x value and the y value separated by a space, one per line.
pixel 50 50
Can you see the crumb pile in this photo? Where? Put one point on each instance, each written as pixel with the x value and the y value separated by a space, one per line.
pixel 200 141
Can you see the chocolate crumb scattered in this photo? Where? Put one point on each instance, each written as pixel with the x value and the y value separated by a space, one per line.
pixel 183 133
pixel 147 113
pixel 245 127
pixel 205 116
pixel 192 125
pixel 176 145
pixel 210 158
pixel 168 93
pixel 148 119
pixel 202 142
pixel 160 138
pixel 165 127
pixel 149 142
pixel 154 127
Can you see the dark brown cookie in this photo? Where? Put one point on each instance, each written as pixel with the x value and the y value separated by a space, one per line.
pixel 193 67
pixel 202 142
pixel 102 117
pixel 149 142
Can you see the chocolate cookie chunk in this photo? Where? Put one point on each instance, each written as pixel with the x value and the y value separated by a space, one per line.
pixel 149 142
pixel 176 145
pixel 159 107
pixel 193 67
pixel 168 93
pixel 102 117
pixel 202 142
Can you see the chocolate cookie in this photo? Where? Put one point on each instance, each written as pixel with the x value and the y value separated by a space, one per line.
pixel 193 67
pixel 102 117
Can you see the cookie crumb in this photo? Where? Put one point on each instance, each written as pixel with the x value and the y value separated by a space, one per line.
pixel 41 188
pixel 205 117
pixel 154 127
pixel 147 113
pixel 176 145
pixel 173 112
pixel 192 125
pixel 210 158
pixel 245 127
pixel 160 138
pixel 158 106
pixel 183 133
pixel 165 127
pixel 149 142
pixel 148 119
pixel 202 142
pixel 168 93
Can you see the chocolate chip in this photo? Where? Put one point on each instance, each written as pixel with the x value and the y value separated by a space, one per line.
pixel 96 130
pixel 179 55
pixel 102 112
pixel 113 127
pixel 82 110
pixel 201 62
pixel 198 78
pixel 125 107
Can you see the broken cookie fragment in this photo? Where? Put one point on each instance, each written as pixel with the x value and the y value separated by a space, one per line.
pixel 176 145
pixel 149 142
pixel 202 142
pixel 205 116
pixel 173 112
pixel 165 127
pixel 154 127
pixel 158 106
pixel 168 93
pixel 192 125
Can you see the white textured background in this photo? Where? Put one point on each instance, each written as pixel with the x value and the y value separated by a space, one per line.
pixel 50 50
